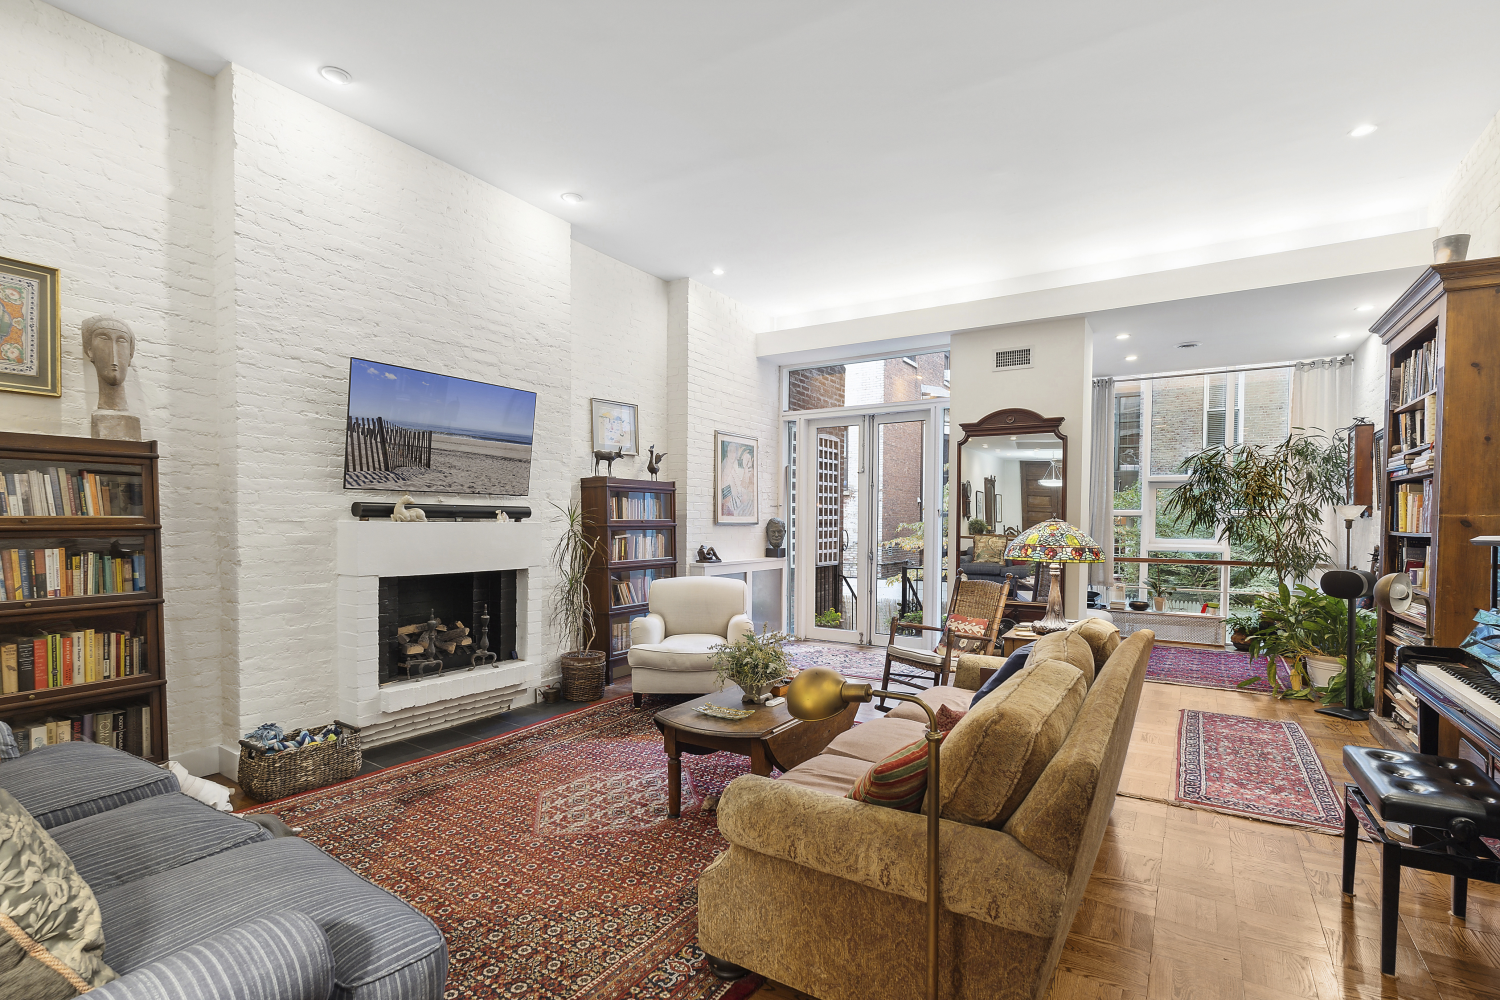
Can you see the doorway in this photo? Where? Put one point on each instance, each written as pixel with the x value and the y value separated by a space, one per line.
pixel 873 485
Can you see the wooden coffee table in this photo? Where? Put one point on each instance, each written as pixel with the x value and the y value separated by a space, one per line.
pixel 770 737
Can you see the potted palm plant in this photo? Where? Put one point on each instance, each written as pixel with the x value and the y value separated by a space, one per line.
pixel 573 612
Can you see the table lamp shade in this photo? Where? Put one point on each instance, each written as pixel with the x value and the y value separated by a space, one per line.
pixel 1054 541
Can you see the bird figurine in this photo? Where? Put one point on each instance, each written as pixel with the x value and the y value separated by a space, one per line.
pixel 406 512
pixel 653 460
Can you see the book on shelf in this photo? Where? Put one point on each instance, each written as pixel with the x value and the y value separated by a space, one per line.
pixel 1411 505
pixel 619 636
pixel 59 492
pixel 1407 635
pixel 127 729
pixel 640 545
pixel 638 507
pixel 62 659
pixel 1415 376
pixel 32 574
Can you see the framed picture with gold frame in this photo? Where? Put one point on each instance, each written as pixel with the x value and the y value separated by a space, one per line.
pixel 30 328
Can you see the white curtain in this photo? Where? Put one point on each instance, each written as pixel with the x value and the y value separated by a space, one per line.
pixel 1102 483
pixel 1322 403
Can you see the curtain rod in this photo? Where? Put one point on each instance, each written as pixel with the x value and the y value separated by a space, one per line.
pixel 1225 371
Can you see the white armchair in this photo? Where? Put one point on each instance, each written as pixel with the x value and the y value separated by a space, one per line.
pixel 670 648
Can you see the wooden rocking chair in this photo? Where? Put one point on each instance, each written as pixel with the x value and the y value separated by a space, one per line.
pixel 972 599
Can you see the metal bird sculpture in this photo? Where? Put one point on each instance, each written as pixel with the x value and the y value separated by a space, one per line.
pixel 653 460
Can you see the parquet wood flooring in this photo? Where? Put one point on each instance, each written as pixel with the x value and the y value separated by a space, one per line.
pixel 1186 904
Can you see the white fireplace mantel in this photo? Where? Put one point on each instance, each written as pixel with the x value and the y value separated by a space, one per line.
pixel 369 550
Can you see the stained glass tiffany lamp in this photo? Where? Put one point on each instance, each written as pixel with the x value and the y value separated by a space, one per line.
pixel 1054 542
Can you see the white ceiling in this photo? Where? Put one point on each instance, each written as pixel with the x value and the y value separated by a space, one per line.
pixel 832 153
pixel 1259 326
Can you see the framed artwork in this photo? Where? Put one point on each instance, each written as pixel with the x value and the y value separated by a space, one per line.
pixel 30 328
pixel 736 498
pixel 615 426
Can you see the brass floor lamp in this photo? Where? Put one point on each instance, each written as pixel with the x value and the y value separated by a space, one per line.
pixel 819 693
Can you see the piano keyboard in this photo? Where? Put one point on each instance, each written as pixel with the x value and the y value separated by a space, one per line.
pixel 1474 691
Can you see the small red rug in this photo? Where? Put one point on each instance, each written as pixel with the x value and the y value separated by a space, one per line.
pixel 1209 668
pixel 545 856
pixel 1263 768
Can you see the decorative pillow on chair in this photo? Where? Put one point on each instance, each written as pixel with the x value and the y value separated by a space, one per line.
pixel 51 935
pixel 897 781
pixel 966 635
pixel 947 718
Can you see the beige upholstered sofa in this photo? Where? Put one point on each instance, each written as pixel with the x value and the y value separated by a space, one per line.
pixel 828 895
pixel 670 646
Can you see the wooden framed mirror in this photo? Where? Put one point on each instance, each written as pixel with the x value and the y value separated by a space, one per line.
pixel 1010 471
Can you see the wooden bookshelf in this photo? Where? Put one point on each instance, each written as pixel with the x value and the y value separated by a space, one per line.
pixel 634 526
pixel 104 527
pixel 1451 314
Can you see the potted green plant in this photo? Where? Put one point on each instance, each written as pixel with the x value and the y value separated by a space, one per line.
pixel 1266 501
pixel 572 611
pixel 752 662
pixel 1158 592
pixel 978 526
pixel 829 619
pixel 1242 625
pixel 1298 625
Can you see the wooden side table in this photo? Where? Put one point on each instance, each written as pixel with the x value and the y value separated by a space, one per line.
pixel 1016 638
pixel 770 737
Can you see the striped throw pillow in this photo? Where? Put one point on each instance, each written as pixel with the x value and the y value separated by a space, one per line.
pixel 897 781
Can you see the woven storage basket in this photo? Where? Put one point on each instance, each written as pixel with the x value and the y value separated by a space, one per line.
pixel 266 776
pixel 583 676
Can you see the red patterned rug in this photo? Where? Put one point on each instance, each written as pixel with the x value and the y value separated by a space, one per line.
pixel 544 855
pixel 1209 668
pixel 1262 768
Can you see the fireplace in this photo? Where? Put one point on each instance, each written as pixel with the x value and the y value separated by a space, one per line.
pixel 452 598
pixel 391 575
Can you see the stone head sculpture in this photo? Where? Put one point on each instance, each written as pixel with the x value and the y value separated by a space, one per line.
pixel 109 345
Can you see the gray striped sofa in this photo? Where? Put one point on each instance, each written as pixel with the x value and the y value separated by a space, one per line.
pixel 202 905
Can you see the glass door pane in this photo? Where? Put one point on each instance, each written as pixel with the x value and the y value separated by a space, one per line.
pixel 899 520
pixel 836 472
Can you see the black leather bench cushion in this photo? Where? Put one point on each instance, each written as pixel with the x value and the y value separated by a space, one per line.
pixel 1424 790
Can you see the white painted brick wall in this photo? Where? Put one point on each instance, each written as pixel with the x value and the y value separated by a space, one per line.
pixel 1470 201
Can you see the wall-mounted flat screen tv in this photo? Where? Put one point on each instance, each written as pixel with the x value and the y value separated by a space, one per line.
pixel 415 431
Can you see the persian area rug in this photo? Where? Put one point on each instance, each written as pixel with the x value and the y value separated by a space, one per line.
pixel 866 662
pixel 1262 768
pixel 545 856
pixel 1209 668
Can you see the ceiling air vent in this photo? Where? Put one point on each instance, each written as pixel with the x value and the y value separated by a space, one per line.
pixel 1016 357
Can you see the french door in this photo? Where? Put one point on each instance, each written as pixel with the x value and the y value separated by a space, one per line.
pixel 870 484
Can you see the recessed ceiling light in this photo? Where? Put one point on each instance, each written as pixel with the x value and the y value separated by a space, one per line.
pixel 1342 336
pixel 1122 336
pixel 1360 131
pixel 1364 308
pixel 1130 357
pixel 571 197
pixel 1188 343
pixel 334 75
pixel 718 270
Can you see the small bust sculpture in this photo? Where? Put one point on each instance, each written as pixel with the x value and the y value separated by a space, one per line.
pixel 775 537
pixel 109 346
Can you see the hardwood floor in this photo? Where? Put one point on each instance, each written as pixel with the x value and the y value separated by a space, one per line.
pixel 1192 905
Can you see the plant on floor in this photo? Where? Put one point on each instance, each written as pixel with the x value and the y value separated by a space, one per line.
pixel 1364 677
pixel 752 661
pixel 831 618
pixel 572 612
pixel 1296 623
pixel 1266 501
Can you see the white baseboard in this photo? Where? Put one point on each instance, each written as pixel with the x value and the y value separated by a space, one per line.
pixel 200 761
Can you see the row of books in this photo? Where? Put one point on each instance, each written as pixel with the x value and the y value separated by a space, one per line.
pixel 641 545
pixel 62 659
pixel 640 507
pixel 1411 506
pixel 632 589
pixel 1408 635
pixel 619 636
pixel 1415 376
pixel 1403 704
pixel 30 574
pixel 127 729
pixel 56 492
pixel 1417 427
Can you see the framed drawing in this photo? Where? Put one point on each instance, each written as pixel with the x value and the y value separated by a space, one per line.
pixel 615 426
pixel 736 498
pixel 30 328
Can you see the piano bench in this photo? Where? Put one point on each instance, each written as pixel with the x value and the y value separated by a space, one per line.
pixel 1450 805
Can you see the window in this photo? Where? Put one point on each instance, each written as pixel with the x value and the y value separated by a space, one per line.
pixel 862 383
pixel 1159 423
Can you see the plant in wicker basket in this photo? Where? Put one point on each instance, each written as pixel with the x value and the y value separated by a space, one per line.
pixel 572 611
pixel 753 662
